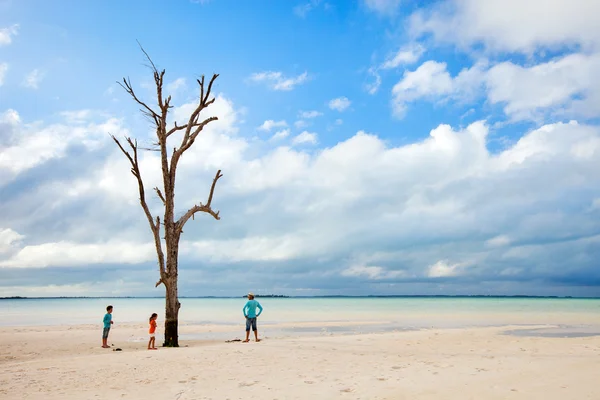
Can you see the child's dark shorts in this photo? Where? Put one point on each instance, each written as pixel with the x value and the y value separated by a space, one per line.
pixel 250 322
pixel 105 333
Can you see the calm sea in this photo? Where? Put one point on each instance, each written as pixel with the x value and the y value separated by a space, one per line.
pixel 310 313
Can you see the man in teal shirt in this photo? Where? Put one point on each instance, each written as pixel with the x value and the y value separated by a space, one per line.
pixel 249 311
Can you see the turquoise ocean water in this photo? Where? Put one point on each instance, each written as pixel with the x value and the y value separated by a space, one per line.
pixel 371 314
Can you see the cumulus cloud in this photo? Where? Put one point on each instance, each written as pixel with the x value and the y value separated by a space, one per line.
pixel 278 81
pixel 309 114
pixel 340 104
pixel 444 207
pixel 406 55
pixel 270 124
pixel 432 81
pixel 33 79
pixel 305 137
pixel 282 134
pixel 7 34
pixel 564 86
pixel 511 26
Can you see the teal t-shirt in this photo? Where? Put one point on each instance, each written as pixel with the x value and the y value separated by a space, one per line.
pixel 107 319
pixel 251 306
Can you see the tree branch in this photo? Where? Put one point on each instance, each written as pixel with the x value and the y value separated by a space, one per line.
pixel 146 110
pixel 160 195
pixel 202 207
pixel 135 170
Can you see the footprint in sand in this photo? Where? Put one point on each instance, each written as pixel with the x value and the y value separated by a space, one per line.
pixel 309 382
pixel 347 390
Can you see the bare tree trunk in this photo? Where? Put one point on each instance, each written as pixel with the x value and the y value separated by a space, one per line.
pixel 172 306
pixel 172 228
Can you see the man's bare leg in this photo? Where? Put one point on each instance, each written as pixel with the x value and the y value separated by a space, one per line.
pixel 247 337
pixel 256 336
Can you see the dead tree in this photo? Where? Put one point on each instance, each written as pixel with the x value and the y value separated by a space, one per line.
pixel 167 266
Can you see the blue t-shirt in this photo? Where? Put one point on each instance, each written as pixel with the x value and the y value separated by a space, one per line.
pixel 107 319
pixel 251 305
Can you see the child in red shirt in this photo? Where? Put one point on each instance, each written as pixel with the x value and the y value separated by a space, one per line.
pixel 151 332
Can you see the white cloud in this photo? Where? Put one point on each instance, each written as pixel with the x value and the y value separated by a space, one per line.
pixel 305 137
pixel 179 83
pixel 309 114
pixel 498 241
pixel 406 55
pixel 340 104
pixel 3 70
pixel 301 124
pixel 34 144
pixel 512 25
pixel 271 124
pixel 303 9
pixel 445 197
pixel 9 239
pixel 277 81
pixel 385 7
pixel 371 272
pixel 443 269
pixel 339 121
pixel 68 254
pixel 568 85
pixel 7 34
pixel 281 134
pixel 373 87
pixel 33 79
pixel 432 81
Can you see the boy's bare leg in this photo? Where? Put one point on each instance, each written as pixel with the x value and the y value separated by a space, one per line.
pixel 256 336
pixel 104 345
pixel 247 337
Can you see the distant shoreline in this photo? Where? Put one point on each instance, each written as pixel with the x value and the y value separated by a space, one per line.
pixel 306 297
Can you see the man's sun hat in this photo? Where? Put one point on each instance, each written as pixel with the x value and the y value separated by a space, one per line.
pixel 251 294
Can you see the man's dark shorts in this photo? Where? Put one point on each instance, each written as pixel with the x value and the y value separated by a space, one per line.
pixel 105 333
pixel 250 322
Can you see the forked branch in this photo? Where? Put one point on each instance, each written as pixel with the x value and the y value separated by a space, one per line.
pixel 206 208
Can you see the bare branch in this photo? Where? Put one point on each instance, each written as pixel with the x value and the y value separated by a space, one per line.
pixel 146 110
pixel 135 170
pixel 147 56
pixel 206 208
pixel 160 195
pixel 194 135
pixel 212 80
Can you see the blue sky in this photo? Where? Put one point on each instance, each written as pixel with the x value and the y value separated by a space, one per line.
pixel 368 146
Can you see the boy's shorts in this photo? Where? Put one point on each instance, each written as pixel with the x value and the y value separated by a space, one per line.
pixel 105 333
pixel 151 335
pixel 250 322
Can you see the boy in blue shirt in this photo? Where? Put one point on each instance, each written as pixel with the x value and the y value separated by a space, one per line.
pixel 249 311
pixel 107 323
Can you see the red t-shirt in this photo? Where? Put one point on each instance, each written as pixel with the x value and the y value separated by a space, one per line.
pixel 152 326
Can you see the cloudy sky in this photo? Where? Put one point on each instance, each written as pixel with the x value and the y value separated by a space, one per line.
pixel 367 146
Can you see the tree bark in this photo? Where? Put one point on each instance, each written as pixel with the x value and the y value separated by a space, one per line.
pixel 172 306
pixel 172 303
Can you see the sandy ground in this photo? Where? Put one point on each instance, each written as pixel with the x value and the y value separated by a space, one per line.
pixel 480 363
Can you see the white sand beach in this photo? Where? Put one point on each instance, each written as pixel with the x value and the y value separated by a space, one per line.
pixel 66 362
